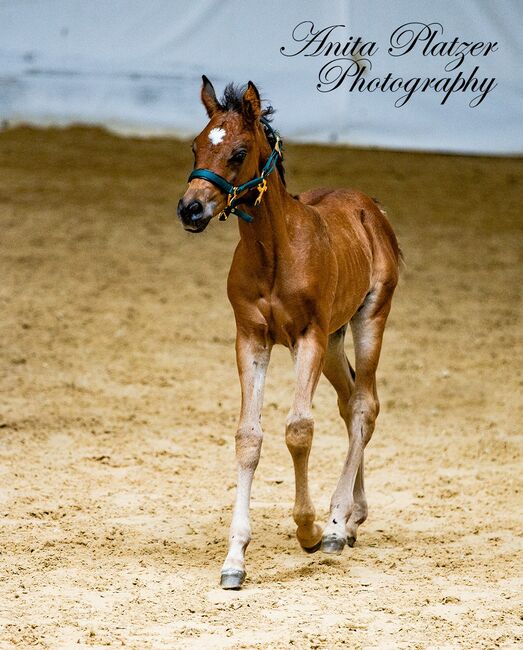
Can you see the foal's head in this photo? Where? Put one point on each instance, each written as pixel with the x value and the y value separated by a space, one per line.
pixel 232 145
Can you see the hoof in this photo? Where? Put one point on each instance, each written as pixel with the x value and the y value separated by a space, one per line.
pixel 332 544
pixel 351 541
pixel 232 579
pixel 312 549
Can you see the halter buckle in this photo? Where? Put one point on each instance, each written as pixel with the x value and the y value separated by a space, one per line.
pixel 224 214
pixel 262 188
pixel 232 196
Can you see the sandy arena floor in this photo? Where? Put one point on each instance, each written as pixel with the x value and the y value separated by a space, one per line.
pixel 119 400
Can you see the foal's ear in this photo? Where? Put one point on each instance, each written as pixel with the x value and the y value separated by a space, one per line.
pixel 251 105
pixel 208 96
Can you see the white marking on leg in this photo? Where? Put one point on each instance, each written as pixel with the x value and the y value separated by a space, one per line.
pixel 216 135
pixel 252 365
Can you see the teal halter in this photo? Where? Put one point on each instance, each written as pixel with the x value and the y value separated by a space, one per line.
pixel 233 192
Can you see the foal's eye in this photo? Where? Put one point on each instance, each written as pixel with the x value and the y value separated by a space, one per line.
pixel 238 157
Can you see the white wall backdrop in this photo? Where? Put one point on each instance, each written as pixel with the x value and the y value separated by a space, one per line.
pixel 137 66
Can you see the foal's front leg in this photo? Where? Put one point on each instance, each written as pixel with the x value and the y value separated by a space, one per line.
pixel 252 356
pixel 308 354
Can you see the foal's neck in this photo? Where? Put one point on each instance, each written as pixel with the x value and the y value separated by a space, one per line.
pixel 267 236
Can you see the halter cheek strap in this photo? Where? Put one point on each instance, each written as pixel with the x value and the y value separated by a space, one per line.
pixel 233 192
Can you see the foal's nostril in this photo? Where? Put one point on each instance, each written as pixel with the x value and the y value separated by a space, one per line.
pixel 195 208
pixel 191 212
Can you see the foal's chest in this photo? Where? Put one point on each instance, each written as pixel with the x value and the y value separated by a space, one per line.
pixel 278 300
pixel 281 315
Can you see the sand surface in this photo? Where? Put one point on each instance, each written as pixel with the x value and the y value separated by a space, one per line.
pixel 119 401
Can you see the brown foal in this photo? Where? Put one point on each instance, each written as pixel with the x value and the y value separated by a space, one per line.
pixel 304 268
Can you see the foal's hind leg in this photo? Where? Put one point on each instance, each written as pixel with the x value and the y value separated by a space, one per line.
pixel 308 355
pixel 367 329
pixel 340 374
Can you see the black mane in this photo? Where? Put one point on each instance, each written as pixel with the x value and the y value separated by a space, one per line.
pixel 232 101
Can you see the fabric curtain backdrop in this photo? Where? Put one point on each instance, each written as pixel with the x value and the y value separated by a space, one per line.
pixel 137 67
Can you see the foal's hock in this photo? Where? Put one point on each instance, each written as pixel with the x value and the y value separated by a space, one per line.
pixel 305 267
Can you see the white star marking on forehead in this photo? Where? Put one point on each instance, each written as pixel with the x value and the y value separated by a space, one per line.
pixel 216 135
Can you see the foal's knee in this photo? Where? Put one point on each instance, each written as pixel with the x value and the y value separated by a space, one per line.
pixel 298 434
pixel 248 445
pixel 363 410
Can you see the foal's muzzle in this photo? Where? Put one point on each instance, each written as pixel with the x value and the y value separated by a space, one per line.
pixel 193 215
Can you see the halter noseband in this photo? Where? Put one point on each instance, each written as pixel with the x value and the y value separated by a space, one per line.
pixel 233 192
